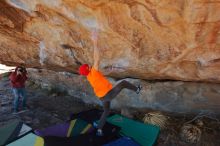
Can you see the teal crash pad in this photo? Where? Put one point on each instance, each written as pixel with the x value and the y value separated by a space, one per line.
pixel 143 134
pixel 7 131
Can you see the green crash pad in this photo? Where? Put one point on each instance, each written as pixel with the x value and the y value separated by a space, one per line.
pixel 143 134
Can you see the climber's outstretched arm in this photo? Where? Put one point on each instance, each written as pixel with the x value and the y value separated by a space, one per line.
pixel 96 53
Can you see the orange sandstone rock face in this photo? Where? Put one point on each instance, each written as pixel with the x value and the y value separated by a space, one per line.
pixel 146 39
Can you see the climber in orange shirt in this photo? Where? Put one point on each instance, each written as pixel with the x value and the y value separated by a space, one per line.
pixel 101 86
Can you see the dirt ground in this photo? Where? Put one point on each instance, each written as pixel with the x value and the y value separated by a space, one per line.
pixel 45 108
pixel 50 107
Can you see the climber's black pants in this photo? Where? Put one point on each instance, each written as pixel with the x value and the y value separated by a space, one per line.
pixel 106 100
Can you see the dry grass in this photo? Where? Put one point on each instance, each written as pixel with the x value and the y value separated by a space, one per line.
pixel 156 118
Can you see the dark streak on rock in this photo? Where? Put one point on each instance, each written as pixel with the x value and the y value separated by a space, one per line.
pixel 214 60
pixel 69 47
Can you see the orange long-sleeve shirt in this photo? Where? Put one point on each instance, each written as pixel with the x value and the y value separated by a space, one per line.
pixel 100 84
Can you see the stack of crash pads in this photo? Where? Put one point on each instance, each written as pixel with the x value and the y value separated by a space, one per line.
pixel 88 139
pixel 78 131
pixel 12 131
pixel 118 131
pixel 67 129
pixel 143 134
pixel 79 136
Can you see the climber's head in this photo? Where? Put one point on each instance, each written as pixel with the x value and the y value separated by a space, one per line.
pixel 84 69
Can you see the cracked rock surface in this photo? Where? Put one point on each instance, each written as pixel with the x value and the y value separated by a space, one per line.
pixel 146 39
